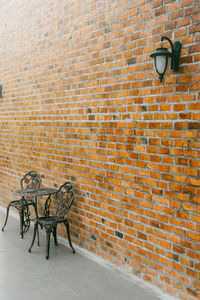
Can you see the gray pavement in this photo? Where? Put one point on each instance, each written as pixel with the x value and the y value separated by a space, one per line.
pixel 65 275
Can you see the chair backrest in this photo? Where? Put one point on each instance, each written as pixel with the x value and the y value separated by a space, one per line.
pixel 58 204
pixel 31 180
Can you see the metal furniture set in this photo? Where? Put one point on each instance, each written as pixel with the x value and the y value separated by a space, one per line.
pixel 55 211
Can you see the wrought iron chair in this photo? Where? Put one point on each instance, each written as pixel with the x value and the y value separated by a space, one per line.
pixel 55 212
pixel 31 180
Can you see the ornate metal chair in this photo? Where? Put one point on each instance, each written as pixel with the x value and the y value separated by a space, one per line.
pixel 55 212
pixel 31 180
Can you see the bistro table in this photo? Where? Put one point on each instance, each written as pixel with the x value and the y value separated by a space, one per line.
pixel 33 193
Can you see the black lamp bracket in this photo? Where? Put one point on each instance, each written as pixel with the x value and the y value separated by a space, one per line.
pixel 175 55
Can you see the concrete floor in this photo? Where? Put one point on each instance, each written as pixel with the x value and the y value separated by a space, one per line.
pixel 65 275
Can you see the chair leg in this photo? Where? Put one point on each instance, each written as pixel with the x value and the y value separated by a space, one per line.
pixel 55 236
pixel 68 234
pixel 8 208
pixel 34 235
pixel 48 234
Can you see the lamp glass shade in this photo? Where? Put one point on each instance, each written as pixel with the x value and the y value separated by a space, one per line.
pixel 161 60
pixel 161 63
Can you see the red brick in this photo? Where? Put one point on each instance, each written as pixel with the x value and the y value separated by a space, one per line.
pixel 82 102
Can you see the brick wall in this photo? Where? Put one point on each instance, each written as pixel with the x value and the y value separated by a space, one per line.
pixel 81 102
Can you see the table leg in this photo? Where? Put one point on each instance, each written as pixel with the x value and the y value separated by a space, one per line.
pixel 21 215
pixel 35 206
pixel 24 216
pixel 26 219
pixel 36 213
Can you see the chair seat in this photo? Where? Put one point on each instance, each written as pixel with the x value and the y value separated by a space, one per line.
pixel 18 203
pixel 50 220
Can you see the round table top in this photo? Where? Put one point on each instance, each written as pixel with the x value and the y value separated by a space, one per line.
pixel 35 192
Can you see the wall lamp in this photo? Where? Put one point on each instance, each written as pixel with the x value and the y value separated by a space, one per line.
pixel 161 57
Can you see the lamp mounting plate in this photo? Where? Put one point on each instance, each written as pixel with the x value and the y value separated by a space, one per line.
pixel 176 55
